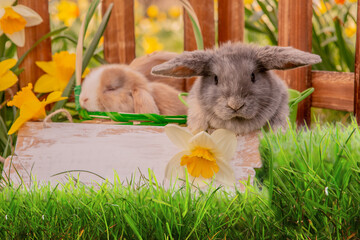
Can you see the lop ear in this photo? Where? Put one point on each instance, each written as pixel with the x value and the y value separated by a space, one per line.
pixel 144 102
pixel 282 58
pixel 187 64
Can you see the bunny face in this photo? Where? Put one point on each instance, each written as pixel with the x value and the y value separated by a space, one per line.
pixel 235 89
pixel 107 89
pixel 234 94
pixel 117 88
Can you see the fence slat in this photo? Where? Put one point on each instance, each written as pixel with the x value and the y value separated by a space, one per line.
pixel 119 37
pixel 231 21
pixel 205 12
pixel 357 69
pixel 295 29
pixel 333 90
pixel 43 51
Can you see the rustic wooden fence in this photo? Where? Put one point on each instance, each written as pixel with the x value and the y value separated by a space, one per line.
pixel 333 90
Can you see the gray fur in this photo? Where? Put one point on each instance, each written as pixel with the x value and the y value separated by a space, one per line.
pixel 236 103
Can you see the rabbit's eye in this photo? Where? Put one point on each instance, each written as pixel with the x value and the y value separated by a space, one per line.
pixel 216 80
pixel 253 77
pixel 110 88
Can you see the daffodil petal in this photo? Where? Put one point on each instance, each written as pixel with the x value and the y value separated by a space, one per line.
pixel 6 65
pixel 173 169
pixel 86 72
pixel 178 135
pixel 48 67
pixel 18 38
pixel 32 18
pixel 27 112
pixel 6 3
pixel 202 139
pixel 226 143
pixel 7 80
pixel 199 181
pixel 54 97
pixel 16 125
pixel 46 83
pixel 226 175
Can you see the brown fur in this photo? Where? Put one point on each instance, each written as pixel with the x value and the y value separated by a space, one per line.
pixel 167 101
pixel 121 89
pixel 144 65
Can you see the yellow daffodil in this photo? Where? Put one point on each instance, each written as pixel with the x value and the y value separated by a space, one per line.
pixel 206 157
pixel 151 44
pixel 152 11
pixel 248 2
pixel 14 19
pixel 67 12
pixel 174 12
pixel 350 30
pixel 7 77
pixel 352 1
pixel 341 2
pixel 58 72
pixel 31 108
pixel 161 17
pixel 323 7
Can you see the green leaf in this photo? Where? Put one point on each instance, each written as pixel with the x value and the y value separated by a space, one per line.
pixel 90 13
pixel 345 53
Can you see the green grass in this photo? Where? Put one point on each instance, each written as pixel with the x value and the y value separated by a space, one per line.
pixel 308 188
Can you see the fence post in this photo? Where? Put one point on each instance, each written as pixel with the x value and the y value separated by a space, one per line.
pixel 43 51
pixel 231 21
pixel 357 68
pixel 205 12
pixel 119 37
pixel 295 29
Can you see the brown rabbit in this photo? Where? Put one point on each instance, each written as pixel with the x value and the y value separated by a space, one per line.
pixel 119 88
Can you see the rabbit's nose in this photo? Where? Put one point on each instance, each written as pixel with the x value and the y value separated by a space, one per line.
pixel 235 104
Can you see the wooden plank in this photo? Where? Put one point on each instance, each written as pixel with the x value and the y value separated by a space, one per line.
pixel 357 69
pixel 205 12
pixel 119 36
pixel 295 29
pixel 102 149
pixel 333 90
pixel 43 51
pixel 231 21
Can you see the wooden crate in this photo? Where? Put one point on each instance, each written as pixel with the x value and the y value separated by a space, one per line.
pixel 87 151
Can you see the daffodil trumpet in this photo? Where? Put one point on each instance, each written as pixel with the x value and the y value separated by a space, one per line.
pixel 205 157
pixel 14 19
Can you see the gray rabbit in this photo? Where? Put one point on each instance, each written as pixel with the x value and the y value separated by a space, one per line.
pixel 235 89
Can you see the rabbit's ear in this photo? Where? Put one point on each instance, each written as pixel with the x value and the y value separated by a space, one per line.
pixel 187 64
pixel 144 102
pixel 282 58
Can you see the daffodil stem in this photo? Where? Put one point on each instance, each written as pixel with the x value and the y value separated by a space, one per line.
pixel 3 40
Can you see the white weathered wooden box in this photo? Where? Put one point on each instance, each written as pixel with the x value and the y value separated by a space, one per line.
pixel 87 151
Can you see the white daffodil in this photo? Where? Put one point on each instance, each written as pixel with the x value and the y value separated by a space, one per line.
pixel 14 19
pixel 205 156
